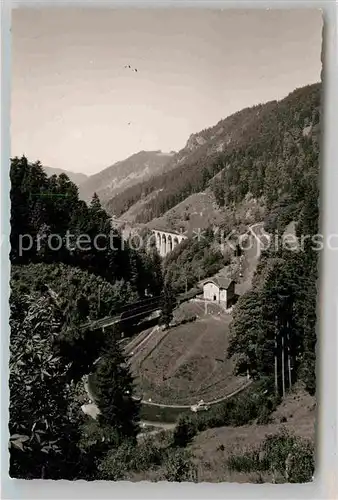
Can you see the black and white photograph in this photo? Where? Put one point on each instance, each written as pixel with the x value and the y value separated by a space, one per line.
pixel 165 244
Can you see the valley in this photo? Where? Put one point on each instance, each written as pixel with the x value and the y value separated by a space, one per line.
pixel 225 355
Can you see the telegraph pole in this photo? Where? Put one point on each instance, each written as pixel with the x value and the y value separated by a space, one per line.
pixel 289 361
pixel 285 330
pixel 276 364
pixel 290 310
pixel 283 368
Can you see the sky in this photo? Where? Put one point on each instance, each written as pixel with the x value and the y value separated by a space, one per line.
pixel 75 106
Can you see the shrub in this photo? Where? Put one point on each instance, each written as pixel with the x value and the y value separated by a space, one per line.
pixel 119 463
pixel 256 403
pixel 290 456
pixel 247 462
pixel 96 437
pixel 286 457
pixel 179 467
pixel 131 458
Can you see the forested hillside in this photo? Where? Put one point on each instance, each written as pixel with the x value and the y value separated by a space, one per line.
pixel 48 219
pixel 279 164
pixel 273 333
pixel 56 287
pixel 262 150
pixel 277 317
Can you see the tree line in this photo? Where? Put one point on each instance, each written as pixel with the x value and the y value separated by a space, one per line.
pixel 53 293
pixel 273 333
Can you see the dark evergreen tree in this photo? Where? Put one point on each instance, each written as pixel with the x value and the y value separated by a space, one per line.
pixel 155 264
pixel 184 432
pixel 168 304
pixel 114 389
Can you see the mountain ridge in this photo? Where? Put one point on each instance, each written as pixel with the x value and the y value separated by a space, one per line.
pixel 124 173
pixel 210 151
pixel 77 177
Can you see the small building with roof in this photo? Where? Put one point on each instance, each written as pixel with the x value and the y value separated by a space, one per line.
pixel 219 289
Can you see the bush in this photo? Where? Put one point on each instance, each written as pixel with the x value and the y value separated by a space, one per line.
pixel 247 462
pixel 290 456
pixel 286 457
pixel 256 403
pixel 96 437
pixel 264 416
pixel 179 467
pixel 131 458
pixel 176 464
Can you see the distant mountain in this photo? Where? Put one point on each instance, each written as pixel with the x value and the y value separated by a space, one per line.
pixel 75 177
pixel 124 174
pixel 258 151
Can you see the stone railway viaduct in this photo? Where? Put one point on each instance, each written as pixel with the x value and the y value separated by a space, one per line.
pixel 166 241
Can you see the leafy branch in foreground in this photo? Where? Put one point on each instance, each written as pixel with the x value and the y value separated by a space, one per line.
pixel 42 433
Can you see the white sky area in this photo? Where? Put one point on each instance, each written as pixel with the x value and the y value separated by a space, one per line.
pixel 76 107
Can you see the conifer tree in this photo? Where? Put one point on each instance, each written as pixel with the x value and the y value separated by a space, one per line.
pixel 156 272
pixel 168 304
pixel 114 386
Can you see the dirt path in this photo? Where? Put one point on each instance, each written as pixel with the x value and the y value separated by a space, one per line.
pixel 160 425
pixel 258 242
pixel 209 403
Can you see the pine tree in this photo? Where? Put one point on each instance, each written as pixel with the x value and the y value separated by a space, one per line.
pixel 168 304
pixel 155 270
pixel 134 275
pixel 114 392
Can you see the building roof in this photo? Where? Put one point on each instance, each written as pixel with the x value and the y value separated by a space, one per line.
pixel 219 281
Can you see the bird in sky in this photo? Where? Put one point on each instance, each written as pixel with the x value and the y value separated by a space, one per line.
pixel 127 66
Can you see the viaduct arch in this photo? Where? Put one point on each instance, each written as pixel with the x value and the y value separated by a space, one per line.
pixel 166 241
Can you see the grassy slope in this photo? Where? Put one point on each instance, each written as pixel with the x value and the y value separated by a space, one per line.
pixel 188 363
pixel 299 410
